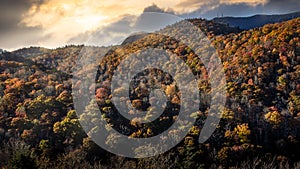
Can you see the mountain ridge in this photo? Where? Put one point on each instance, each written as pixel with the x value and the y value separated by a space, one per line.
pixel 255 21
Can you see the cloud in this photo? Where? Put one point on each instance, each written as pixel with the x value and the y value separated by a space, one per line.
pixel 52 23
pixel 66 19
pixel 153 18
pixel 155 8
pixel 14 34
pixel 12 12
pixel 204 6
pixel 250 7
pixel 248 2
pixel 107 35
pixel 194 5
pixel 280 6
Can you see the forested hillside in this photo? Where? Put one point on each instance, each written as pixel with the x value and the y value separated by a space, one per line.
pixel 260 126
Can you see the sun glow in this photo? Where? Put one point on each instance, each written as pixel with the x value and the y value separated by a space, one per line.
pixel 62 20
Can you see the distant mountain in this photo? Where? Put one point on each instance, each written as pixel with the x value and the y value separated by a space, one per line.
pixel 134 37
pixel 247 23
pixel 31 51
pixel 210 28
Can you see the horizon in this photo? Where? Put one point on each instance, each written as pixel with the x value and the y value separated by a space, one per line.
pixel 52 24
pixel 82 44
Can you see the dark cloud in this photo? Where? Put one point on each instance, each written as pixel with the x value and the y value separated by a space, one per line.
pixel 12 12
pixel 244 9
pixel 155 8
pixel 224 10
pixel 13 33
pixel 282 6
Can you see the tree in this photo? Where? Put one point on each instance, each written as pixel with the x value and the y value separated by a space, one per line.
pixel 70 128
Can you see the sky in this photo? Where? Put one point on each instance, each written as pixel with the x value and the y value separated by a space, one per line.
pixel 55 23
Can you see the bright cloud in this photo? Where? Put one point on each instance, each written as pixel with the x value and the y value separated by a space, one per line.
pixel 61 20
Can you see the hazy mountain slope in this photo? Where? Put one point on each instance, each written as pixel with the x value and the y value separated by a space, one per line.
pixel 256 20
pixel 210 28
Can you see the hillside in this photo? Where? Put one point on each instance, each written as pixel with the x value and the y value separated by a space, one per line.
pixel 260 125
pixel 30 52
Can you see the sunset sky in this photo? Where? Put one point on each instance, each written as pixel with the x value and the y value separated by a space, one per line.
pixel 54 23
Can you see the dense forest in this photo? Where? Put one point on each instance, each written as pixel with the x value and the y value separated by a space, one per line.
pixel 259 128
